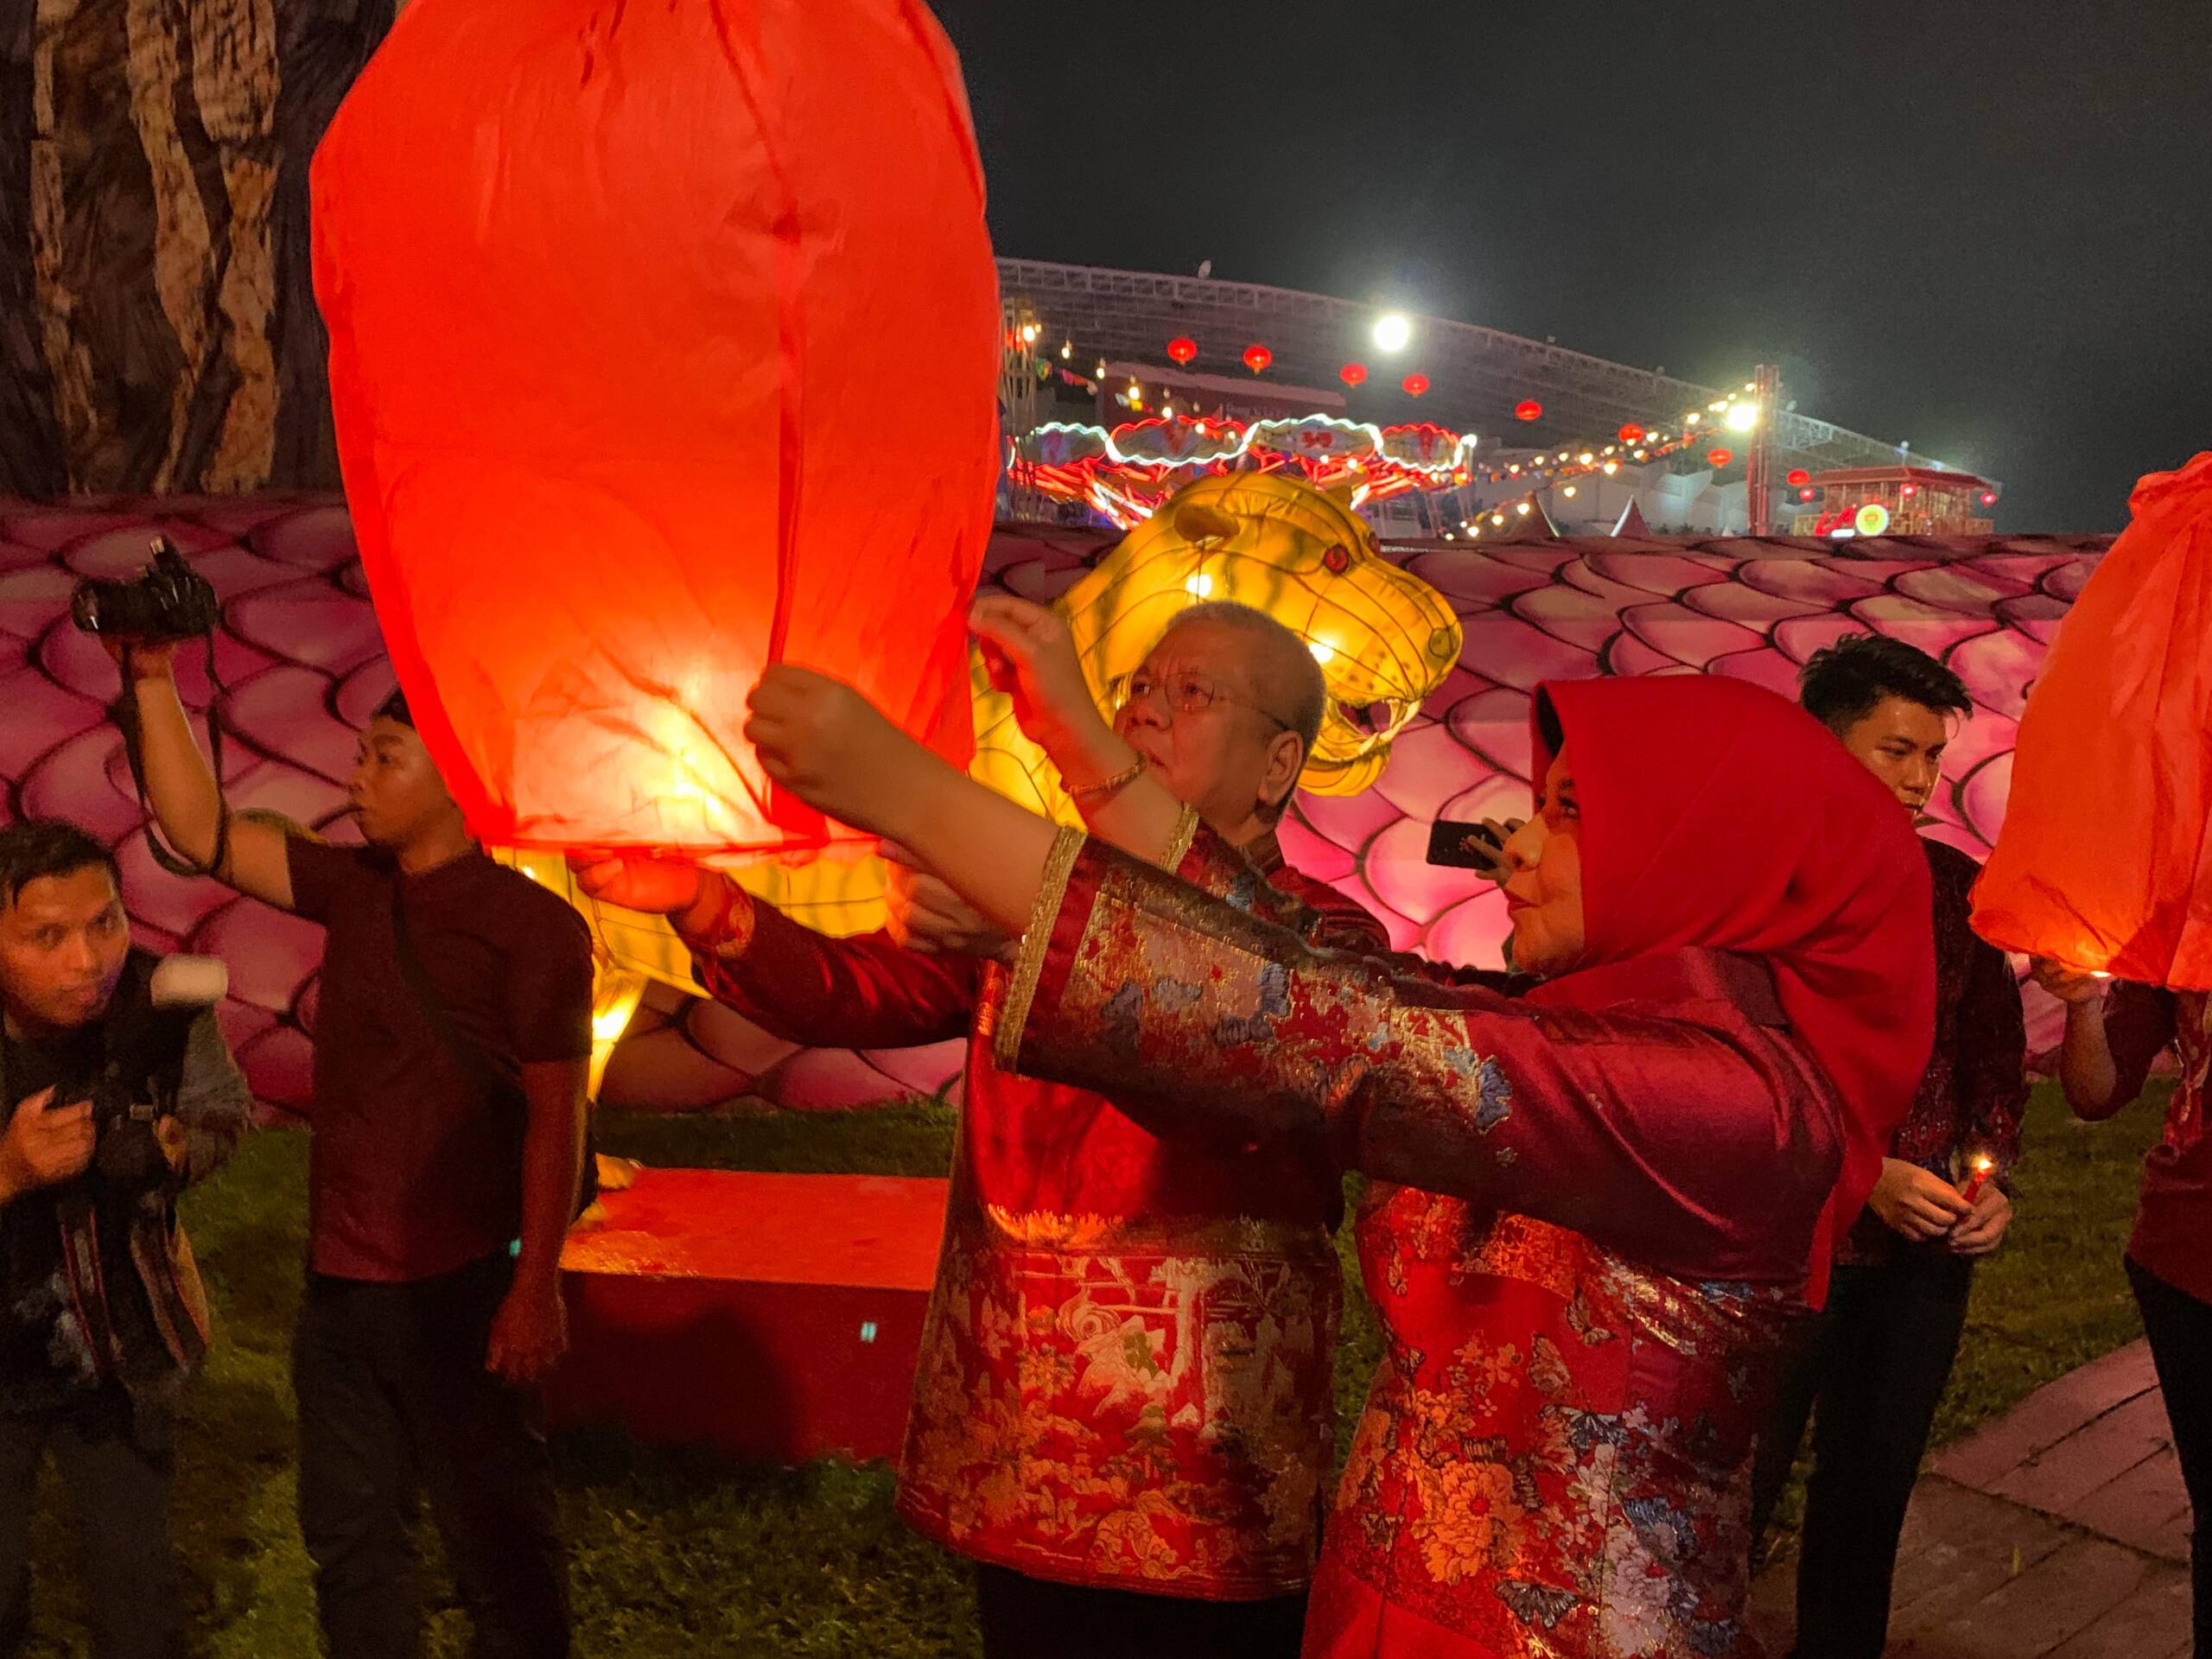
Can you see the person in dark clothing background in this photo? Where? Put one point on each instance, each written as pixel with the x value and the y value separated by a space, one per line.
pixel 1877 1359
pixel 452 1040
pixel 102 1318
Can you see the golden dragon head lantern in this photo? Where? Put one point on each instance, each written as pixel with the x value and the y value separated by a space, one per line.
pixel 1384 639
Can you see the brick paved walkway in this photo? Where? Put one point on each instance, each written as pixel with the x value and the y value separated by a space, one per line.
pixel 2061 1530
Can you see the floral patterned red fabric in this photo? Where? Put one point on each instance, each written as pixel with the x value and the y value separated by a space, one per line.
pixel 1585 1309
pixel 2173 1220
pixel 1126 1373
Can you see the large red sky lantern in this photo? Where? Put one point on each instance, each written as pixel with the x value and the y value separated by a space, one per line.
pixel 613 336
pixel 2105 862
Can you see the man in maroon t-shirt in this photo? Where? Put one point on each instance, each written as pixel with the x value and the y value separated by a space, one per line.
pixel 452 1035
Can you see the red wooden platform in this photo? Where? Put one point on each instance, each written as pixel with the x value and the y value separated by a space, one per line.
pixel 764 1316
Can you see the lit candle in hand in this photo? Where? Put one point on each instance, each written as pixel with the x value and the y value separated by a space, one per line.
pixel 1983 1164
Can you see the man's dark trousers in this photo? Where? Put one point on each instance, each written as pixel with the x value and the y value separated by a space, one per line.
pixel 392 1389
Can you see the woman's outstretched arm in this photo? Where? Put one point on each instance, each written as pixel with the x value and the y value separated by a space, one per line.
pixel 820 738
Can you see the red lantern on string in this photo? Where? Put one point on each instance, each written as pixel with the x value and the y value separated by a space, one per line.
pixel 1720 457
pixel 1805 495
pixel 1352 373
pixel 1631 433
pixel 1799 475
pixel 577 602
pixel 1182 349
pixel 1256 358
pixel 1989 498
pixel 1528 409
pixel 1415 385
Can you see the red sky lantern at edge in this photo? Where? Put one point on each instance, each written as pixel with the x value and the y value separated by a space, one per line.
pixel 1527 409
pixel 2135 656
pixel 610 452
pixel 1352 373
pixel 1257 357
pixel 1182 349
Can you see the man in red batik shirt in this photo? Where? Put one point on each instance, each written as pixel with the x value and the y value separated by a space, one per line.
pixel 1122 1412
pixel 2114 1033
pixel 1876 1361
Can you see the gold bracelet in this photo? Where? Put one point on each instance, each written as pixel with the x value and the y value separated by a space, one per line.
pixel 1121 779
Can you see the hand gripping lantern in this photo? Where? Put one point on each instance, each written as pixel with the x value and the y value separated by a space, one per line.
pixel 616 295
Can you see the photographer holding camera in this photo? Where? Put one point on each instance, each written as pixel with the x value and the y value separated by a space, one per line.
pixel 118 1093
pixel 452 1038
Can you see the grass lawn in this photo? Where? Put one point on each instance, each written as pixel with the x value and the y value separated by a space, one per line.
pixel 676 1555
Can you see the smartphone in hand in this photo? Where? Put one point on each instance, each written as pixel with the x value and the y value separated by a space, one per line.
pixel 1464 846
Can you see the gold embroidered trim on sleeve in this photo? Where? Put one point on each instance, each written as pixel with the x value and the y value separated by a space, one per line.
pixel 1051 890
pixel 1179 843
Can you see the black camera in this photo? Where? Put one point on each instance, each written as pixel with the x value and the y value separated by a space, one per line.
pixel 126 1149
pixel 168 601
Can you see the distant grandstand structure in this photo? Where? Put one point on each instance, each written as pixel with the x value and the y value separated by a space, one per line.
pixel 1477 377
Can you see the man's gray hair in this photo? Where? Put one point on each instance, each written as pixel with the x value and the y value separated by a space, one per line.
pixel 1287 681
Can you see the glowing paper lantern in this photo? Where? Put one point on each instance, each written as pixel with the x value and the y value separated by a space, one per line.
pixel 1256 358
pixel 1989 498
pixel 1527 409
pixel 1798 475
pixel 1631 433
pixel 606 357
pixel 1352 373
pixel 1720 457
pixel 1415 385
pixel 2105 863
pixel 1182 349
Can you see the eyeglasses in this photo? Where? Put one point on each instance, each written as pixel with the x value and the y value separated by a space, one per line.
pixel 1189 692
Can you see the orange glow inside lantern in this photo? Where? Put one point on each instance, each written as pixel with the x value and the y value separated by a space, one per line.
pixel 1256 358
pixel 2116 744
pixel 606 364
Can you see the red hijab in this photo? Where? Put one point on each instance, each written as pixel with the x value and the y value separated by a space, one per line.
pixel 1718 816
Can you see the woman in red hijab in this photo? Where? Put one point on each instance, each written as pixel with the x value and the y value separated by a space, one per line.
pixel 1593 1213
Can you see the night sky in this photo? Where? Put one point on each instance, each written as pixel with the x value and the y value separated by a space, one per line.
pixel 1986 229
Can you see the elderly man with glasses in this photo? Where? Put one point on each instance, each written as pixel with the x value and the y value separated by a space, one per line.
pixel 1122 1412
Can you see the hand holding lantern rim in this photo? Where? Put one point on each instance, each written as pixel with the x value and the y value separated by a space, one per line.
pixel 2072 986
